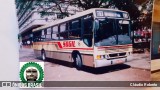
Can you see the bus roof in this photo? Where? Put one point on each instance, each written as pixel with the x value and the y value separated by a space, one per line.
pixel 73 16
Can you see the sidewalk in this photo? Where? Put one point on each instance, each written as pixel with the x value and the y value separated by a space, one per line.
pixel 140 61
pixel 155 65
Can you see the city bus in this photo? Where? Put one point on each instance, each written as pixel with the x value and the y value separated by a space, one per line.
pixel 96 37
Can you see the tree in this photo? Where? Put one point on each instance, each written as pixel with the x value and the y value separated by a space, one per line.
pixel 49 6
pixel 87 4
pixel 46 7
pixel 126 5
pixel 146 13
pixel 129 6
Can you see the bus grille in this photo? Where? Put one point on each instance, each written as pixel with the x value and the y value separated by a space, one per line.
pixel 117 54
pixel 122 54
pixel 113 55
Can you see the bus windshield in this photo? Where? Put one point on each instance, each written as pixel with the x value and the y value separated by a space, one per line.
pixel 110 32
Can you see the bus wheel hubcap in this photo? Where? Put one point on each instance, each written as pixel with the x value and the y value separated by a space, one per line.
pixel 78 60
pixel 43 57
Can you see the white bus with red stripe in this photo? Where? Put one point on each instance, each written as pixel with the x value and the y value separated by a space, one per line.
pixel 96 37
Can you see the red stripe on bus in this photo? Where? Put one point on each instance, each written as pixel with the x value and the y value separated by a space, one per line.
pixel 122 46
pixel 129 45
pixel 79 48
pixel 60 46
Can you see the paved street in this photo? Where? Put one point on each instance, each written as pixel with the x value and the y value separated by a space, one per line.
pixel 136 70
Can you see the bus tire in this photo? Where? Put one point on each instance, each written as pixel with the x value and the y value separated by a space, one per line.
pixel 78 61
pixel 43 55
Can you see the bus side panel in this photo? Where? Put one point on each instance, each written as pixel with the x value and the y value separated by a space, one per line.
pixel 59 56
pixel 88 60
pixel 37 53
pixel 48 54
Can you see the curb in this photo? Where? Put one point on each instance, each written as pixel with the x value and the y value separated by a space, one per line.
pixel 154 71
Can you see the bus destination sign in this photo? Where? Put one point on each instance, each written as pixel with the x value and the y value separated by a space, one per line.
pixel 113 14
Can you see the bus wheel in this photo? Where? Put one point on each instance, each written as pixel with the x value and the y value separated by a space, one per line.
pixel 78 61
pixel 43 55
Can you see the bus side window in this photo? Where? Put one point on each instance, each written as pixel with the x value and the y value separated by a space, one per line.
pixel 48 33
pixel 43 35
pixel 74 29
pixel 55 32
pixel 38 36
pixel 63 31
pixel 75 24
pixel 73 34
pixel 87 33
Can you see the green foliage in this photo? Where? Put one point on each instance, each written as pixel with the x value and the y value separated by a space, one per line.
pixel 23 5
pixel 87 4
pixel 127 5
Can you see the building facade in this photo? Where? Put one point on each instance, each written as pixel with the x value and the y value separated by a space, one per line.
pixel 30 17
pixel 156 31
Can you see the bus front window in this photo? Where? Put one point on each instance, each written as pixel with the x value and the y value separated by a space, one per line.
pixel 112 32
pixel 123 32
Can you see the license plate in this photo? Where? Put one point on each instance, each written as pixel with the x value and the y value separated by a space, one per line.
pixel 119 61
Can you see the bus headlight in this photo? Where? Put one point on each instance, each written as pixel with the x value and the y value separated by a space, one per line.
pixel 98 56
pixel 102 56
pixel 125 15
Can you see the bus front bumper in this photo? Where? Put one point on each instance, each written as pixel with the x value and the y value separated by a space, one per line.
pixel 105 62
